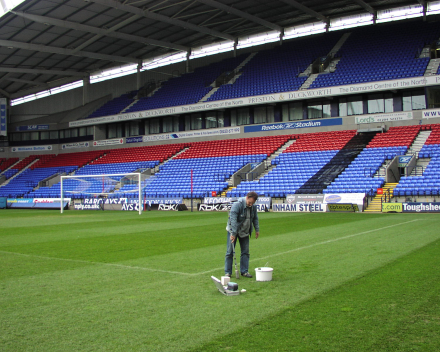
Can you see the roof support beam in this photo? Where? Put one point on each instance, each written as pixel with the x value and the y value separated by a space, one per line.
pixel 102 32
pixel 307 10
pixel 423 3
pixel 44 72
pixel 242 14
pixel 5 93
pixel 161 18
pixel 32 83
pixel 43 86
pixel 365 6
pixel 67 52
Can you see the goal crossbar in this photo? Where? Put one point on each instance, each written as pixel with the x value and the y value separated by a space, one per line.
pixel 139 178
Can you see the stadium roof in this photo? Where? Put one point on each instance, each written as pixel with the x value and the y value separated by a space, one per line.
pixel 46 44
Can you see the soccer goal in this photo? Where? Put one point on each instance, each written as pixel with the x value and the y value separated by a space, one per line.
pixel 103 186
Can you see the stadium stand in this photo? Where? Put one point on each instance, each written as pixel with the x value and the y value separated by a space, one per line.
pixel 46 166
pixel 189 88
pixel 323 162
pixel 5 163
pixel 427 184
pixel 383 53
pixel 114 106
pixel 359 176
pixel 369 54
pixel 17 167
pixel 116 161
pixel 296 167
pixel 211 164
pixel 276 70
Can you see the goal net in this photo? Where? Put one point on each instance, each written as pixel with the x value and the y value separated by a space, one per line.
pixel 103 186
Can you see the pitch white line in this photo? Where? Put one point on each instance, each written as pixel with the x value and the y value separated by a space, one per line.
pixel 97 263
pixel 203 272
pixel 316 244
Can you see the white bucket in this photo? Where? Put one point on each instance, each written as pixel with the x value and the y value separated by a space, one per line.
pixel 263 274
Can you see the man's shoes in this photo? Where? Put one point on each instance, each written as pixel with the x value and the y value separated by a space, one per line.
pixel 228 275
pixel 246 274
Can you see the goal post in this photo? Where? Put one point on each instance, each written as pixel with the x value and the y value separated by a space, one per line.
pixel 102 185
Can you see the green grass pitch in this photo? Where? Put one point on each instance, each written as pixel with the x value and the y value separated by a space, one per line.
pixel 120 281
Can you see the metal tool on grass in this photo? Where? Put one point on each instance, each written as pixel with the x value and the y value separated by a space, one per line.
pixel 235 260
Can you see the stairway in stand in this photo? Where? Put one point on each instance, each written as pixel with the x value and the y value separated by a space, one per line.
pixel 223 194
pixel 375 205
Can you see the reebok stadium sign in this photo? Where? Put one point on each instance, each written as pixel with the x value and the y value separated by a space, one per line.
pixel 293 125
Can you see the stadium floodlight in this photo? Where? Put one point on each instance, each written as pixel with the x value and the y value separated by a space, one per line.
pixel 8 5
pixel 103 185
pixel 358 20
pixel 433 7
pixel 304 30
pixel 46 93
pixel 163 60
pixel 112 73
pixel 399 13
pixel 258 39
pixel 211 49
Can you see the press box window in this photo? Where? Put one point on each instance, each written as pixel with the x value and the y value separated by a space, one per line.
pixel 132 128
pixel 264 114
pixel 170 124
pixel 240 117
pixel 350 106
pixel 115 130
pixel 154 126
pixel 196 121
pixel 318 110
pixel 214 119
pixel 379 103
pixel 292 111
pixel 44 135
pixel 414 100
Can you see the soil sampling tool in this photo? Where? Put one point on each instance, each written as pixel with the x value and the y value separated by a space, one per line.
pixel 235 260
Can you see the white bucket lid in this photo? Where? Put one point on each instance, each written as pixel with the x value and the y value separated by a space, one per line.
pixel 264 268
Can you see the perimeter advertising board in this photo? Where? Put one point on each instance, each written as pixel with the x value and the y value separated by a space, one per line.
pixel 337 202
pixel 36 203
pixel 225 203
pixel 126 204
pixel 293 125
pixel 304 198
pixel 346 198
pixel 413 207
pixel 421 207
pixel 343 208
pixel 35 148
pixel 391 207
pixel 300 207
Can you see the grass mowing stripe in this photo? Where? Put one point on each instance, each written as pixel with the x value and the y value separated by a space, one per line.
pixel 23 232
pixel 316 244
pixel 392 308
pixel 80 307
pixel 98 263
pixel 211 270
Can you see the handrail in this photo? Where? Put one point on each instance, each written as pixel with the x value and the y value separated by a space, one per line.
pixel 395 177
pixel 369 169
pixel 416 168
